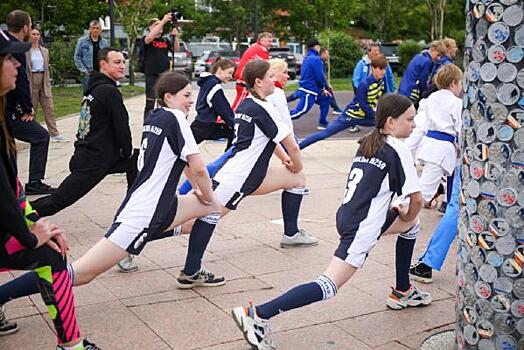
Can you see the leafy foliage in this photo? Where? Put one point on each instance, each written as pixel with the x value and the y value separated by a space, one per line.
pixel 62 65
pixel 344 52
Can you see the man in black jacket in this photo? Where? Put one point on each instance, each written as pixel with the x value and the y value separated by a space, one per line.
pixel 103 143
pixel 20 112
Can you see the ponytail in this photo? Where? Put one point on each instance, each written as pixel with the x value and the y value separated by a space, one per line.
pixel 389 105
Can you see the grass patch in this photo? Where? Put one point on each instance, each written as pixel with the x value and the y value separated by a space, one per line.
pixel 339 84
pixel 67 99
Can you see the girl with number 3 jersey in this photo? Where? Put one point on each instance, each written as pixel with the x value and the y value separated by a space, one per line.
pixel 383 167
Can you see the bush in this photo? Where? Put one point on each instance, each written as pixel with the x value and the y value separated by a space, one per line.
pixel 61 61
pixel 344 51
pixel 407 50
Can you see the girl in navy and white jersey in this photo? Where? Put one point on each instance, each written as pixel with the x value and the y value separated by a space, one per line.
pixel 215 118
pixel 151 208
pixel 383 167
pixel 259 129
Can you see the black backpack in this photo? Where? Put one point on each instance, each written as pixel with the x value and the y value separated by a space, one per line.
pixel 140 53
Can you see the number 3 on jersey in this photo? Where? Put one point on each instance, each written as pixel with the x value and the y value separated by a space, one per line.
pixel 141 155
pixel 354 178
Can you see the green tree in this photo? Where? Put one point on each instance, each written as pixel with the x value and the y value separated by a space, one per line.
pixel 344 52
pixel 64 17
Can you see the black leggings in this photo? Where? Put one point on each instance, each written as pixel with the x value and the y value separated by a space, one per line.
pixel 53 282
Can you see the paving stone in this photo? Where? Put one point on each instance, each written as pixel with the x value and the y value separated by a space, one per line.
pixel 34 333
pixel 376 329
pixel 189 324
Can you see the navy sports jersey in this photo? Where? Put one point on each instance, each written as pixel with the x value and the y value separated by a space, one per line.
pixel 151 203
pixel 259 127
pixel 370 187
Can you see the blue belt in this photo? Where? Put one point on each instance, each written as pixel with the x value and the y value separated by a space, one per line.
pixel 439 135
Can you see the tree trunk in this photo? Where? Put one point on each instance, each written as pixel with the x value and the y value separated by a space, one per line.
pixel 489 303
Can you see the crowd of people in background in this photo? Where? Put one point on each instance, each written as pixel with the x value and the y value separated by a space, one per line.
pixel 419 123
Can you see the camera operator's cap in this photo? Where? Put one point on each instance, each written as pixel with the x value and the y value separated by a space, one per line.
pixel 312 43
pixel 8 46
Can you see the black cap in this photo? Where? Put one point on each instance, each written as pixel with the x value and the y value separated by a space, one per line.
pixel 10 46
pixel 313 42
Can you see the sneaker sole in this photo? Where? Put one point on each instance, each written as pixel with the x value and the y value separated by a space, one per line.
pixel 395 305
pixel 237 316
pixel 126 270
pixel 196 285
pixel 11 331
pixel 424 280
pixel 297 245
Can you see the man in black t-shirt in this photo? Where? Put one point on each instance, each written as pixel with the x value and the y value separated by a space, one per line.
pixel 156 59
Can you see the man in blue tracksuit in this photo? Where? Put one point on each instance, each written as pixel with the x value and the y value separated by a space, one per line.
pixel 415 79
pixel 363 70
pixel 361 110
pixel 312 86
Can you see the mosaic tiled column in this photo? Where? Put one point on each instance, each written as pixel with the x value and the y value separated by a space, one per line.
pixel 490 298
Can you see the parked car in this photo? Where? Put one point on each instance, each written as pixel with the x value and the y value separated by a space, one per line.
pixel 183 60
pixel 199 47
pixel 285 54
pixel 204 62
pixel 391 53
pixel 200 63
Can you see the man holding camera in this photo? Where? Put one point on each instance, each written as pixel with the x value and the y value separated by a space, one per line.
pixel 156 58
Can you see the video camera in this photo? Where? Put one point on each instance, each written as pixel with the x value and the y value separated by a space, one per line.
pixel 176 15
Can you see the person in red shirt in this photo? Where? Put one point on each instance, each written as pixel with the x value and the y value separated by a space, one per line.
pixel 259 50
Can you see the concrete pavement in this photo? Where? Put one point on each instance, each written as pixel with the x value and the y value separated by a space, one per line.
pixel 144 310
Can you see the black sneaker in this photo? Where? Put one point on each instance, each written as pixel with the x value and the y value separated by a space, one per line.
pixel 421 272
pixel 443 206
pixel 38 187
pixel 202 278
pixel 6 327
pixel 87 346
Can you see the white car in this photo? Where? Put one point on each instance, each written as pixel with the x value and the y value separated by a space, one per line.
pixel 200 64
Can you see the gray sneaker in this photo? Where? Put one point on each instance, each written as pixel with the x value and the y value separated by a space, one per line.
pixel 300 239
pixel 6 327
pixel 59 138
pixel 128 264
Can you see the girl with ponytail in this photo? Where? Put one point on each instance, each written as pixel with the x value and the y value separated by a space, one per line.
pixel 382 168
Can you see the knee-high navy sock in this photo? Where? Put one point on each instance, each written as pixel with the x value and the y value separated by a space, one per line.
pixel 23 285
pixel 290 208
pixel 321 289
pixel 198 240
pixel 403 255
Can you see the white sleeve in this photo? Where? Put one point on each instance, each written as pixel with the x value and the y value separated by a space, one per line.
pixel 190 145
pixel 283 128
pixel 411 182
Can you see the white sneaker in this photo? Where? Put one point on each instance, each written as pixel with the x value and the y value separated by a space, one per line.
pixel 59 138
pixel 300 239
pixel 353 129
pixel 127 264
pixel 336 112
pixel 256 330
pixel 412 297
